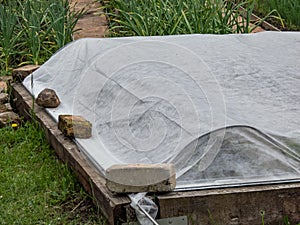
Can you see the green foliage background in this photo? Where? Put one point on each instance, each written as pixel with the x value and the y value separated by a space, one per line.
pixel 31 31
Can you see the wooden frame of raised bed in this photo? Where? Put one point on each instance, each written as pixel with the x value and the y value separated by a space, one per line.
pixel 240 205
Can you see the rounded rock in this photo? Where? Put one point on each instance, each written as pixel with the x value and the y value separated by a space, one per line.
pixel 47 98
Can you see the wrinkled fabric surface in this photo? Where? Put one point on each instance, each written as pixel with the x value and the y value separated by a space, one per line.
pixel 224 109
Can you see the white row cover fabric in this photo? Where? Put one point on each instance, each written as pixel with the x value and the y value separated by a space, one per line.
pixel 224 109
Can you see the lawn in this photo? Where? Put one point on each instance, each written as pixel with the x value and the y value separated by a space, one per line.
pixel 35 187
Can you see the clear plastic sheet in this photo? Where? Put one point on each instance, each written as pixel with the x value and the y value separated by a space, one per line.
pixel 142 206
pixel 224 109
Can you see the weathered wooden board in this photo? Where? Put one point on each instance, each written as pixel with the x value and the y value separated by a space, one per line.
pixel 111 206
pixel 241 205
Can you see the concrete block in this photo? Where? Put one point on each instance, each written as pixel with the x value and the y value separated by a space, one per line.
pixel 19 74
pixel 131 178
pixel 74 126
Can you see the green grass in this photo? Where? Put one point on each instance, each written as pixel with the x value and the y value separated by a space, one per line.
pixel 36 188
pixel 289 10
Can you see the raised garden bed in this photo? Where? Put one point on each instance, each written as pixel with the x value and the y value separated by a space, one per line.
pixel 240 205
pixel 197 206
pixel 195 203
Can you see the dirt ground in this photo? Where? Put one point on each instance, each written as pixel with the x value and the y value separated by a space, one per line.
pixel 93 23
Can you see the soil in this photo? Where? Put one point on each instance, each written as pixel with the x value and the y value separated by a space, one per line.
pixel 83 211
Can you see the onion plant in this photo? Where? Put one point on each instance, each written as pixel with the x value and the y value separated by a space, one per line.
pixel 62 20
pixel 9 34
pixel 33 18
pixel 289 10
pixel 168 17
pixel 31 31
